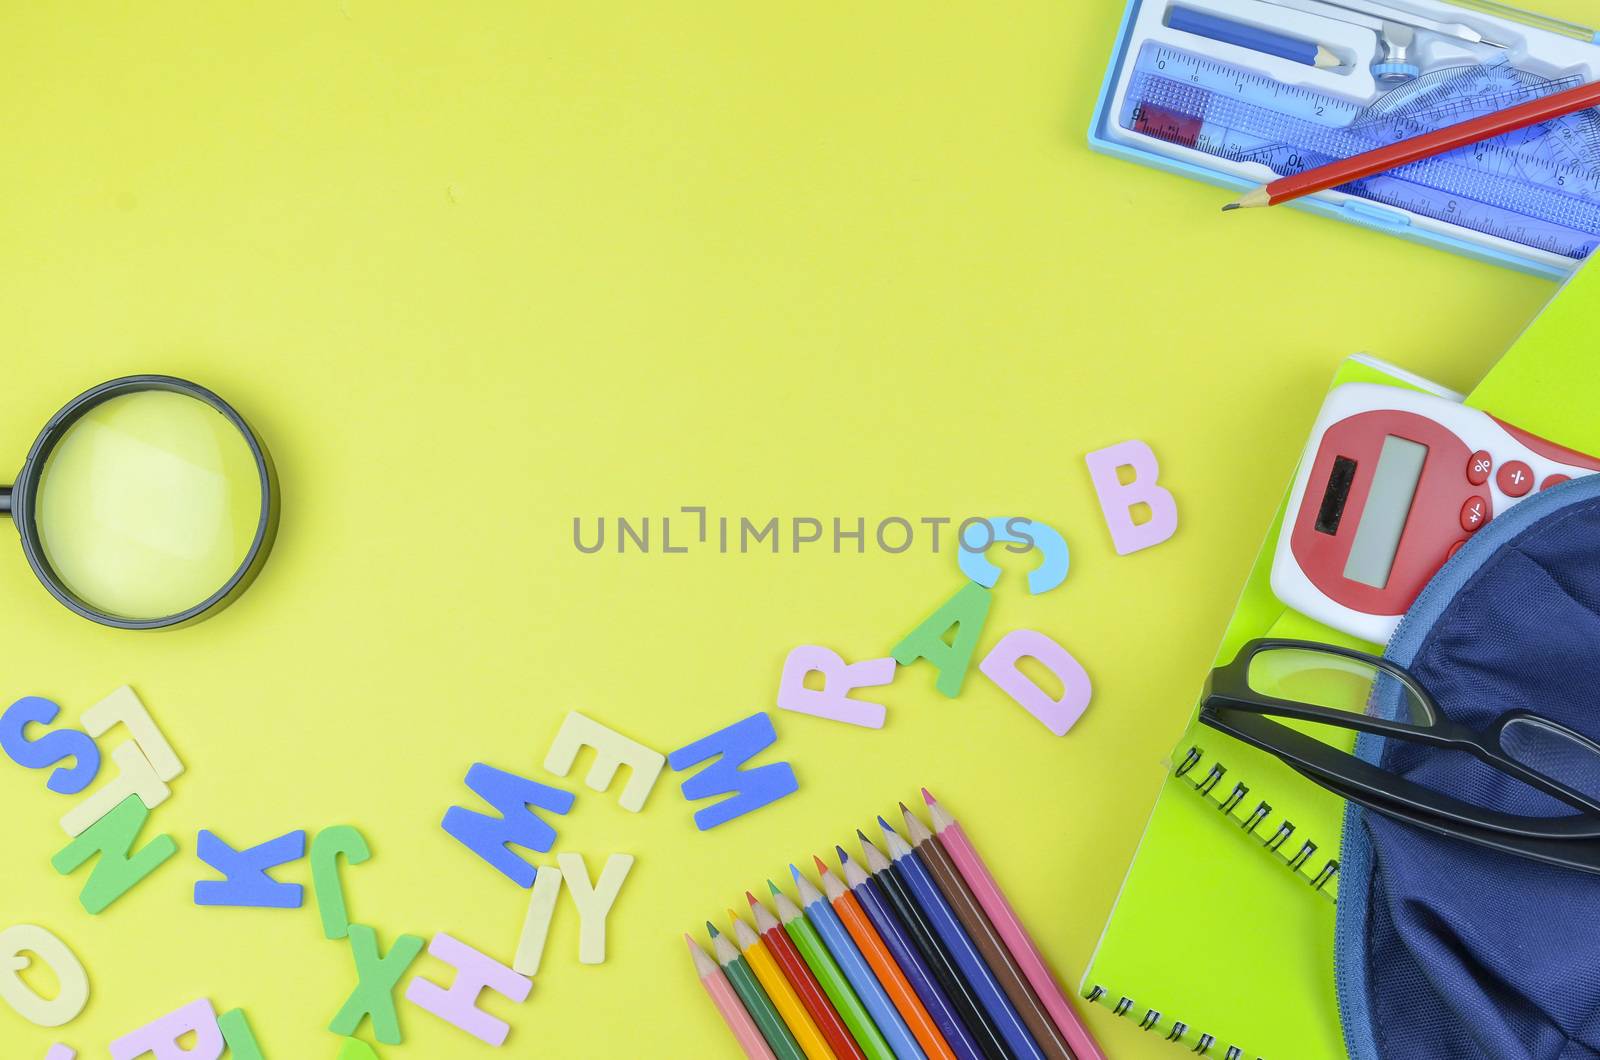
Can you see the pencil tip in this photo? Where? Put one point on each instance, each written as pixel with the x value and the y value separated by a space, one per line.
pixel 690 940
pixel 887 828
pixel 839 850
pixel 1231 206
pixel 927 797
pixel 772 887
pixel 862 835
pixel 904 808
pixel 711 929
pixel 822 866
pixel 751 899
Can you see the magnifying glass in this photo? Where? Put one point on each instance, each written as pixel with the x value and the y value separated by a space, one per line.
pixel 146 502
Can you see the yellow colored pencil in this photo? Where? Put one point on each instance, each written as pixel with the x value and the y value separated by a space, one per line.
pixel 784 999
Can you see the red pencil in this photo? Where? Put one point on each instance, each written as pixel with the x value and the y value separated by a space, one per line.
pixel 1388 157
pixel 805 984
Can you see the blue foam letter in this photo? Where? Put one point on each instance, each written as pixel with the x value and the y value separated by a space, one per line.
pixel 246 881
pixel 751 789
pixel 490 837
pixel 50 748
pixel 1052 568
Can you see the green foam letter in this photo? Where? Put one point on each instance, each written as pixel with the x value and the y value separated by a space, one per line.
pixel 119 868
pixel 376 977
pixel 966 611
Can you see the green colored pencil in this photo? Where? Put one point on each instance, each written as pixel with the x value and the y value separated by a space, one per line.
pixel 828 973
pixel 755 999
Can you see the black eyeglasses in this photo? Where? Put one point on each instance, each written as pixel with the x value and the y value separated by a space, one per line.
pixel 1327 685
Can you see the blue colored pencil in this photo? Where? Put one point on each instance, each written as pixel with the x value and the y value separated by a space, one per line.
pixel 855 968
pixel 948 927
pixel 1244 35
pixel 905 954
pixel 944 967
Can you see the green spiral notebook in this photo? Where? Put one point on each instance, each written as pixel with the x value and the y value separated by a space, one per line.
pixel 1221 939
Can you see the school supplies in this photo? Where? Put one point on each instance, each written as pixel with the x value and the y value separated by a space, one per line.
pixel 1392 483
pixel 882 961
pixel 1529 198
pixel 756 1002
pixel 1016 937
pixel 804 981
pixel 982 933
pixel 1427 145
pixel 779 990
pixel 732 1011
pixel 1222 936
pixel 1548 23
pixel 900 958
pixel 1245 35
pixel 1388 13
pixel 146 502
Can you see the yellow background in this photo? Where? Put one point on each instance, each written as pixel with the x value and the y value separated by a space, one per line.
pixel 475 269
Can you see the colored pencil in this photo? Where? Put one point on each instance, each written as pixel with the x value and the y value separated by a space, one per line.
pixel 819 912
pixel 727 1002
pixel 1389 156
pixel 804 981
pixel 975 922
pixel 777 986
pixel 914 871
pixel 954 839
pixel 756 1002
pixel 944 967
pixel 865 910
pixel 834 983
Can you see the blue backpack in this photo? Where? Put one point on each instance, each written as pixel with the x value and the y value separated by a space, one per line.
pixel 1451 950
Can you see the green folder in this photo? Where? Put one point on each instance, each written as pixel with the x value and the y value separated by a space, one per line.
pixel 1222 936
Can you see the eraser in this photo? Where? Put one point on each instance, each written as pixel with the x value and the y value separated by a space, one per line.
pixel 160 1038
pixel 50 748
pixel 72 982
pixel 126 707
pixel 536 924
pixel 1055 558
pixel 839 679
pixel 325 851
pixel 1117 500
pixel 245 881
pixel 475 973
pixel 593 901
pixel 966 611
pixel 135 776
pixel 1000 666
pixel 750 789
pixel 492 837
pixel 119 868
pixel 611 749
pixel 241 1041
pixel 376 977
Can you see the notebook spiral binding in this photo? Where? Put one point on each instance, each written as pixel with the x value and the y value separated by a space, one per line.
pixel 1203 1044
pixel 1278 841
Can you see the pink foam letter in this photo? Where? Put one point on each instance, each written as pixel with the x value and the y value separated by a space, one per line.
pixel 1000 666
pixel 475 973
pixel 61 1052
pixel 832 700
pixel 161 1037
pixel 1117 500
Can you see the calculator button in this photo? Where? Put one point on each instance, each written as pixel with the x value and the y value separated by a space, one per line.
pixel 1554 480
pixel 1474 513
pixel 1514 478
pixel 1479 465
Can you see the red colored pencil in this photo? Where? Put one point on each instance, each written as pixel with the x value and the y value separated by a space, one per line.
pixel 1383 159
pixel 805 984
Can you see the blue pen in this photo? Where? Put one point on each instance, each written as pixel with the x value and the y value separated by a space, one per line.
pixel 926 893
pixel 1244 35
pixel 855 968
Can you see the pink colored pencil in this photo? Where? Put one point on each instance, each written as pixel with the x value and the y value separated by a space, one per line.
pixel 739 1022
pixel 1016 937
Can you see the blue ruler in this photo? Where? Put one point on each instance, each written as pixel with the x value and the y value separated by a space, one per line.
pixel 1539 187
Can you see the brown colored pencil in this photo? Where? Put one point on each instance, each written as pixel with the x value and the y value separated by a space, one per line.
pixel 976 923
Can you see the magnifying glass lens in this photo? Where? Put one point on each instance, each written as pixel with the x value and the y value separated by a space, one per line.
pixel 148 504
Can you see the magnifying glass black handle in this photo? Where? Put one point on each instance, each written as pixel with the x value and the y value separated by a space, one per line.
pixel 5 500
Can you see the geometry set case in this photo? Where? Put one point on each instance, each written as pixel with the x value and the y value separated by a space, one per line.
pixel 1239 92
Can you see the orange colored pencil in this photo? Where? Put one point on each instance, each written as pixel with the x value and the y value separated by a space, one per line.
pixel 804 982
pixel 884 967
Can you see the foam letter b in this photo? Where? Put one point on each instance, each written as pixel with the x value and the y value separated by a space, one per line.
pixel 1117 500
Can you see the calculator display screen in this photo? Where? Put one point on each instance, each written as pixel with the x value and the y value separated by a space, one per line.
pixel 1383 519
